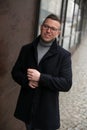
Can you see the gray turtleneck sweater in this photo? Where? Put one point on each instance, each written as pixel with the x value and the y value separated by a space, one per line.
pixel 42 49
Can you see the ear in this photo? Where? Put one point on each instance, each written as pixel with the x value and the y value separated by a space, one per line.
pixel 41 27
pixel 58 33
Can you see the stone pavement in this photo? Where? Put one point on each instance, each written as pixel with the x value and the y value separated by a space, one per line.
pixel 73 104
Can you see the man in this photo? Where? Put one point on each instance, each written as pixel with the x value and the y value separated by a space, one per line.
pixel 42 69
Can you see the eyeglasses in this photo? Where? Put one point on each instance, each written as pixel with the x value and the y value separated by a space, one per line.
pixel 45 26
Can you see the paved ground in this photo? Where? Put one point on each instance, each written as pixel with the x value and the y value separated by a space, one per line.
pixel 73 104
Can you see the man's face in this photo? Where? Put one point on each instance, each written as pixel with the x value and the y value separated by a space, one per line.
pixel 50 29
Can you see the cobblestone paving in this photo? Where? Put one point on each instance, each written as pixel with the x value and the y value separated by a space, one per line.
pixel 73 104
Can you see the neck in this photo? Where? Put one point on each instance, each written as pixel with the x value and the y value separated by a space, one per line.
pixel 46 44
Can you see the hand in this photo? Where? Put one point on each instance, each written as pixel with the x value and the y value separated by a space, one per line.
pixel 33 84
pixel 33 74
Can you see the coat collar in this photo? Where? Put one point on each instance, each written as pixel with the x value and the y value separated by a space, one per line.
pixel 53 48
pixel 52 51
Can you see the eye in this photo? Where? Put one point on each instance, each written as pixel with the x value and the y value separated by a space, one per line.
pixel 45 26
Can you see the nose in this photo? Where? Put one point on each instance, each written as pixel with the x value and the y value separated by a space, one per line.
pixel 48 29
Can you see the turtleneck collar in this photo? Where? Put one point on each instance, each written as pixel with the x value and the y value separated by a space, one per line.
pixel 42 43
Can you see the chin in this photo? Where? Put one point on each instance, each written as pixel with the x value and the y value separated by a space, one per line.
pixel 47 40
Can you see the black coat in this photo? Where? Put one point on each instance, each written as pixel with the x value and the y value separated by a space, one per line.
pixel 56 75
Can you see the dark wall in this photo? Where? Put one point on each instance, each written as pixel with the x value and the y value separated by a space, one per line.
pixel 17 27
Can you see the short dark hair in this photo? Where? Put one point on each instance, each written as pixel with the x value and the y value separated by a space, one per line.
pixel 53 17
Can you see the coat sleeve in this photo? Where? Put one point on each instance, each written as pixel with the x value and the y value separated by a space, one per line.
pixel 18 72
pixel 61 83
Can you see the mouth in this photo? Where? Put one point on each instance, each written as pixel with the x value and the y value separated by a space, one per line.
pixel 47 36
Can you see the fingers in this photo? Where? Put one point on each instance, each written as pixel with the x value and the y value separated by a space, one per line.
pixel 29 77
pixel 29 74
pixel 30 71
pixel 33 74
pixel 33 84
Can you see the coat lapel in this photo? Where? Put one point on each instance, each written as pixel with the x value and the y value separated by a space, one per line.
pixel 35 43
